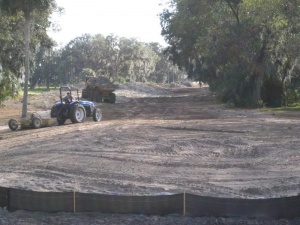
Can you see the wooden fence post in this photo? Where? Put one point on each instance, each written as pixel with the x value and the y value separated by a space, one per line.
pixel 74 202
pixel 184 203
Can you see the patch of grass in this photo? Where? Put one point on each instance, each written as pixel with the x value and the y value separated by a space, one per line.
pixel 293 108
pixel 38 90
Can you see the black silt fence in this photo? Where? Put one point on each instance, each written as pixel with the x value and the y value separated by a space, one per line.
pixel 287 207
pixel 3 197
pixel 186 204
pixel 40 201
pixel 152 205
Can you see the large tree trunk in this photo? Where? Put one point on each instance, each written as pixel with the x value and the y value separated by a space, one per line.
pixel 27 52
pixel 257 88
pixel 258 74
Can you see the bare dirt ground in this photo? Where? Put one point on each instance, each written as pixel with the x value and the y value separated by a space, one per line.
pixel 154 141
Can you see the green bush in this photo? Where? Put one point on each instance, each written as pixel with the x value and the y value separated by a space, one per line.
pixel 291 96
pixel 9 85
pixel 122 80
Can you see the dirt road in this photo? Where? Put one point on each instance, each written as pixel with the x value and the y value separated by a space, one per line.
pixel 177 140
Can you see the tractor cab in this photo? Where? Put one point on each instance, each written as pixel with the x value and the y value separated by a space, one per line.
pixel 66 95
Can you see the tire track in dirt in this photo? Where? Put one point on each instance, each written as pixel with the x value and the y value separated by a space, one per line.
pixel 147 145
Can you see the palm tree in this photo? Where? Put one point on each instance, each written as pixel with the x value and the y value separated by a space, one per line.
pixel 27 7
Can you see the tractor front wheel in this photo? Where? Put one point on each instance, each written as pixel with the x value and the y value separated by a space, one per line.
pixel 77 113
pixel 97 114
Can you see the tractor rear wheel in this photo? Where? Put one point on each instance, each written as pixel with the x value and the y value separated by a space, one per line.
pixel 77 113
pixel 97 115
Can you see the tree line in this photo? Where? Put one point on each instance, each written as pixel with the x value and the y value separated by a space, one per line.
pixel 28 56
pixel 117 58
pixel 246 50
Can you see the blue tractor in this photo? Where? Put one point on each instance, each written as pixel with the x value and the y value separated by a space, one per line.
pixel 74 109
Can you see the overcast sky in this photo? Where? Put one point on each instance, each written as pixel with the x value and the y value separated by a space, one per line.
pixel 124 18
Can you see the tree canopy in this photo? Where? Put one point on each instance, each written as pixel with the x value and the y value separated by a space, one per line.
pixel 246 50
pixel 28 9
pixel 32 59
